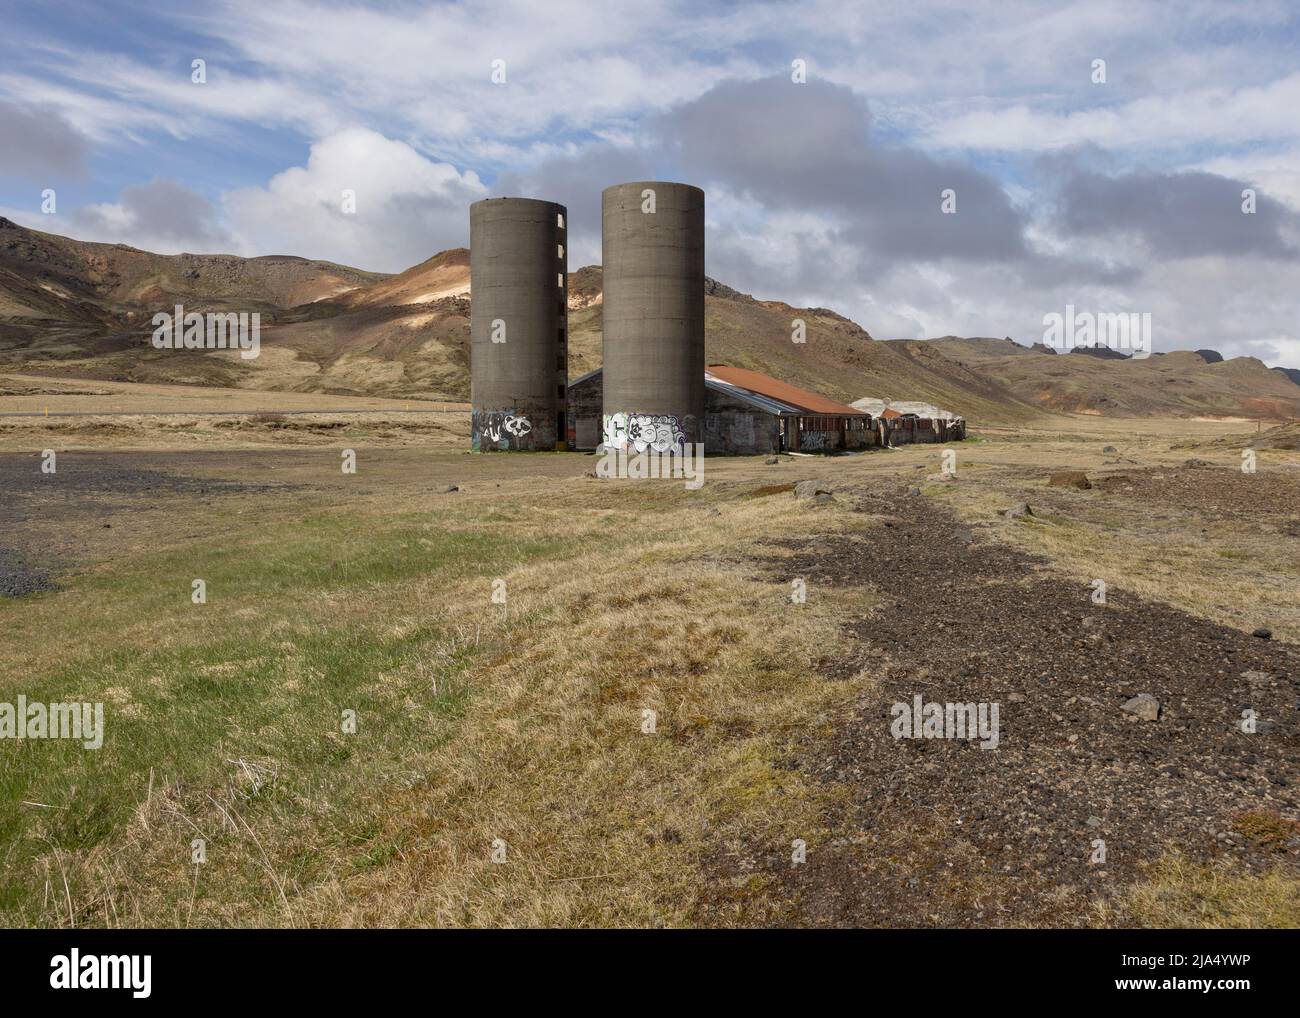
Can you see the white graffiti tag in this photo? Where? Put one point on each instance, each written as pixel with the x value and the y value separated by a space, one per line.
pixel 641 432
pixel 517 426
pixel 495 424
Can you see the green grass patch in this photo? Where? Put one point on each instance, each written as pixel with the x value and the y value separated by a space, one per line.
pixel 241 700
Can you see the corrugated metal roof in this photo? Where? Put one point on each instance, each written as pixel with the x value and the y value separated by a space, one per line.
pixel 765 385
pixel 755 399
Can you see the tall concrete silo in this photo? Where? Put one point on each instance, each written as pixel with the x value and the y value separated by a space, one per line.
pixel 653 314
pixel 519 323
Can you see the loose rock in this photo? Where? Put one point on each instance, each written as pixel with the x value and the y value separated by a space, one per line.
pixel 1144 706
pixel 811 489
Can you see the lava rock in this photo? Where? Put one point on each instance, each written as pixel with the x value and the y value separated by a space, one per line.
pixel 1144 706
pixel 811 489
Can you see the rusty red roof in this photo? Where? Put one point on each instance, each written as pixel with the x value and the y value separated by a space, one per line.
pixel 766 385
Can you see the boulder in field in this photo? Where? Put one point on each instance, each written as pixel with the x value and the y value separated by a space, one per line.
pixel 1070 479
pixel 811 489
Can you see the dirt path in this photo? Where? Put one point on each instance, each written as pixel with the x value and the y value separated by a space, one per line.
pixel 941 832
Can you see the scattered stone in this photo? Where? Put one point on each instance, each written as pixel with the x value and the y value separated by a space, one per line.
pixel 772 461
pixel 1070 479
pixel 1109 448
pixel 1017 511
pixel 18 577
pixel 1195 463
pixel 914 491
pixel 941 478
pixel 1144 707
pixel 811 489
pixel 449 489
pixel 1263 634
pixel 822 497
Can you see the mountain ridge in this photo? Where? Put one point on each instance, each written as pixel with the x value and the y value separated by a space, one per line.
pixel 81 309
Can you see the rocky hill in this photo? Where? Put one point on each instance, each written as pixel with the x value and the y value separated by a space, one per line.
pixel 82 310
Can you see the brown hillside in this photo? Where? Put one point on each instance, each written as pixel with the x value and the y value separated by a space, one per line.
pixel 82 310
pixel 1180 383
pixel 444 275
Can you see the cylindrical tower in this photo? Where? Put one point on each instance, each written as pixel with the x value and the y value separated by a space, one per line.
pixel 518 324
pixel 653 315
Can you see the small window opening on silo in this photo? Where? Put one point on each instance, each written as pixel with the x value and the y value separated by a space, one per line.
pixel 560 280
pixel 559 220
pixel 560 249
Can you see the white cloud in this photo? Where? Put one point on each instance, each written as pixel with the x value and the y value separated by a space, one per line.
pixel 1226 115
pixel 408 207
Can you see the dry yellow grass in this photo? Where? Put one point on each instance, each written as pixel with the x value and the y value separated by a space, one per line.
pixel 657 605
pixel 525 720
pixel 1179 894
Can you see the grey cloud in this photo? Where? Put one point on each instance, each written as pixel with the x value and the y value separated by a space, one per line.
pixel 160 210
pixel 809 147
pixel 1176 214
pixel 576 182
pixel 37 143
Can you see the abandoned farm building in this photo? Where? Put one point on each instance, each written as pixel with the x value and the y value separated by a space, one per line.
pixel 745 412
pixel 900 422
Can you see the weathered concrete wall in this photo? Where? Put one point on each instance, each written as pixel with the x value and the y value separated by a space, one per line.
pixel 860 435
pixel 827 433
pixel 518 323
pixel 733 426
pixel 653 313
pixel 924 431
pixel 818 441
pixel 584 424
pixel 951 431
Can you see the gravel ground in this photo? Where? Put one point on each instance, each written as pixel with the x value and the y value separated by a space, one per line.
pixel 940 832
pixel 86 491
pixel 17 577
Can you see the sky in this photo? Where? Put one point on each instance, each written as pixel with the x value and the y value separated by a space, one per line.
pixel 825 135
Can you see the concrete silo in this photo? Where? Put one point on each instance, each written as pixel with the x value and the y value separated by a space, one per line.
pixel 519 322
pixel 653 314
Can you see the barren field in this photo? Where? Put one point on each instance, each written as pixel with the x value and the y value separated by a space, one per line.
pixel 645 725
